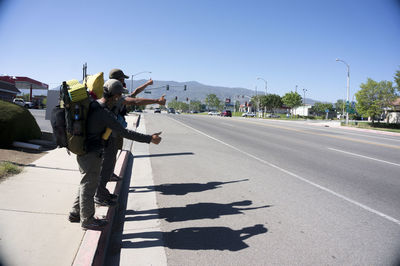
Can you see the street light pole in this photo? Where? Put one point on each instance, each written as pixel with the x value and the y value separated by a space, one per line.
pixel 265 84
pixel 348 89
pixel 304 102
pixel 136 75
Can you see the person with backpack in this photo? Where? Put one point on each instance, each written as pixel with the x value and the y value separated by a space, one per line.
pixel 103 197
pixel 98 120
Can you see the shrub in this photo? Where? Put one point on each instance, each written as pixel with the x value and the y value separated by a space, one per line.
pixel 17 124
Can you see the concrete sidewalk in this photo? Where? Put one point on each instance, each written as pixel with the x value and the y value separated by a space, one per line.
pixel 34 206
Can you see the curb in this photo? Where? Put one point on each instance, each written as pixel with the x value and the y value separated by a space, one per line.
pixel 93 248
pixel 94 243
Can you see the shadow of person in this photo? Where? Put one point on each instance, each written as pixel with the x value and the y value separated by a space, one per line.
pixel 195 238
pixel 182 188
pixel 203 210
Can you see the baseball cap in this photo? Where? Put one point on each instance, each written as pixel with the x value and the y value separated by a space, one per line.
pixel 116 73
pixel 114 87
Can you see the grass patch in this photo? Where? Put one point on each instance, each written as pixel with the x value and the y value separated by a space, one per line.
pixel 374 126
pixel 8 169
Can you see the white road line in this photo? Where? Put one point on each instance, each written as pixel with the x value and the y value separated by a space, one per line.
pixel 387 217
pixel 362 156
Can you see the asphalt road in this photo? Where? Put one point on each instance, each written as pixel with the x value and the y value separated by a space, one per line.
pixel 236 191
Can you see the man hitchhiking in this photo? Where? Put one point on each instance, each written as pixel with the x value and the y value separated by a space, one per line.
pixel 103 197
pixel 99 119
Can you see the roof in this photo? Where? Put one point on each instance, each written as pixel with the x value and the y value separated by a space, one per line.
pixel 397 102
pixel 25 83
pixel 8 87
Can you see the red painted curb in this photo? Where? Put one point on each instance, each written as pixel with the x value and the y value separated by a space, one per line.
pixel 94 243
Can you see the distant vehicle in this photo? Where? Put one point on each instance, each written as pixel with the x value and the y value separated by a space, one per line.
pixel 213 113
pixel 249 114
pixel 157 110
pixel 138 111
pixel 226 113
pixel 22 103
pixel 194 112
pixel 273 116
pixel 171 111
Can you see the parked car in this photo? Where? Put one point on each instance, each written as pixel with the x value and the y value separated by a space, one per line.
pixel 171 111
pixel 249 114
pixel 157 110
pixel 226 113
pixel 213 113
pixel 22 103
pixel 273 116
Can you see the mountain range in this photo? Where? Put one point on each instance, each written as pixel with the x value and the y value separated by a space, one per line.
pixel 194 91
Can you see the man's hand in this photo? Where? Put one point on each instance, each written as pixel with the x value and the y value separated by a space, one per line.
pixel 150 82
pixel 155 138
pixel 162 100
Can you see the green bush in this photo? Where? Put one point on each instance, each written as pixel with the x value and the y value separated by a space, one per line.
pixel 16 124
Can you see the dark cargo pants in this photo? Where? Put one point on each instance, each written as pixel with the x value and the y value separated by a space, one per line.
pixel 89 166
pixel 107 168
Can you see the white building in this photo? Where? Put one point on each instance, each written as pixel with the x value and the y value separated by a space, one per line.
pixel 303 110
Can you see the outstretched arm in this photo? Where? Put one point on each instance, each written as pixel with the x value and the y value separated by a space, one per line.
pixel 144 101
pixel 141 88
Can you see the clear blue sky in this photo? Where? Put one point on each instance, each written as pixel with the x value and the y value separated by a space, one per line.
pixel 215 42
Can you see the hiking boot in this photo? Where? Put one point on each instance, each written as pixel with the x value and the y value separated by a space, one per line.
pixel 112 196
pixel 105 202
pixel 94 224
pixel 114 177
pixel 74 217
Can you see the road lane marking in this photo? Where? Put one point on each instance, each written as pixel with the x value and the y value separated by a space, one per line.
pixel 362 156
pixel 326 135
pixel 385 216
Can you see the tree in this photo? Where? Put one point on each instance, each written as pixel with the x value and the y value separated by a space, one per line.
pixel 340 105
pixel 213 101
pixel 320 108
pixel 373 97
pixel 397 79
pixel 270 101
pixel 195 106
pixel 292 99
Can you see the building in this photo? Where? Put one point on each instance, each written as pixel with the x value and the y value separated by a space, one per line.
pixel 393 114
pixel 8 83
pixel 303 110
pixel 8 91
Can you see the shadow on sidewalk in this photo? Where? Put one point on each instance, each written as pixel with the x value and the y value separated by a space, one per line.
pixel 162 155
pixel 44 167
pixel 191 212
pixel 195 238
pixel 182 188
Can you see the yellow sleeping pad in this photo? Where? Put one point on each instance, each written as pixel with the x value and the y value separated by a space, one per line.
pixel 77 91
pixel 95 84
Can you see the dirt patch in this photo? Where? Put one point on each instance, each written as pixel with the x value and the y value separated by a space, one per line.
pixel 20 157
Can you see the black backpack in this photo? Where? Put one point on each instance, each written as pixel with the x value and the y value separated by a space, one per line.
pixel 69 118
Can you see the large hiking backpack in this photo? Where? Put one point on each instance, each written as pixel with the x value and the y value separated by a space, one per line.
pixel 69 118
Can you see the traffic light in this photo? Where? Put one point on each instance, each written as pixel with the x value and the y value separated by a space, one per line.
pixel 167 87
pixel 187 99
pixel 176 98
pixel 184 87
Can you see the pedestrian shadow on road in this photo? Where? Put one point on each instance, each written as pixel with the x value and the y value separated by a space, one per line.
pixel 182 188
pixel 204 210
pixel 195 238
